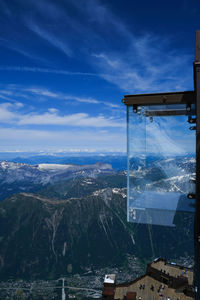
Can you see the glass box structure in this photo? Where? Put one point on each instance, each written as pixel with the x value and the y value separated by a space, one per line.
pixel 161 148
pixel 164 158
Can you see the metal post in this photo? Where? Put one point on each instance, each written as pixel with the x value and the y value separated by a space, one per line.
pixel 63 289
pixel 197 208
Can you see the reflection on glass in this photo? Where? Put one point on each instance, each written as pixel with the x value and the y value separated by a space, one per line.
pixel 161 164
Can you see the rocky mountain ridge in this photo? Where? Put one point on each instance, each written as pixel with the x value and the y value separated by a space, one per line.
pixel 79 223
pixel 19 177
pixel 40 236
pixel 48 237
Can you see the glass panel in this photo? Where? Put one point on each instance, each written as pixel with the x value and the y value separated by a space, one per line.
pixel 161 163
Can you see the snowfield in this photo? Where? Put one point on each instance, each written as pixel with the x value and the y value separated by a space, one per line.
pixel 53 167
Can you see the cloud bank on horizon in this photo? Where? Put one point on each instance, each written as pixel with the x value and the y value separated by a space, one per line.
pixel 66 65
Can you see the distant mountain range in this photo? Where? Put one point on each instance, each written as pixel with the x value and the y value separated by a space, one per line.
pixel 117 160
pixel 68 219
pixel 21 177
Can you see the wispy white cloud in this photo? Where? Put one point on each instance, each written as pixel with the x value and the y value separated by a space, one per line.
pixel 79 119
pixel 27 93
pixel 50 37
pixel 134 63
pixel 5 114
pixel 41 92
pixel 18 47
pixel 100 44
pixel 61 96
pixel 146 64
pixel 145 68
pixel 5 97
pixel 9 113
pixel 45 70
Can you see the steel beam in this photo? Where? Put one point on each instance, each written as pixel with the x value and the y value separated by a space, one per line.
pixel 197 208
pixel 160 98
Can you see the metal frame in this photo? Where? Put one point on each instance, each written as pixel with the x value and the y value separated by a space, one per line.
pixel 188 98
pixel 197 207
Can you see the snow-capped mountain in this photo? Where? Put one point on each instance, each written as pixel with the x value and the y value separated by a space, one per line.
pixel 19 177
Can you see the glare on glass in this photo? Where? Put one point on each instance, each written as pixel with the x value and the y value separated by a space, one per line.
pixel 161 164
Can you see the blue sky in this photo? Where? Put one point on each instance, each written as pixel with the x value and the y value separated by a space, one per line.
pixel 65 66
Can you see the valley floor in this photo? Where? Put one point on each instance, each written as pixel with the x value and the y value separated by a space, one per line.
pixel 78 286
pixel 87 285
